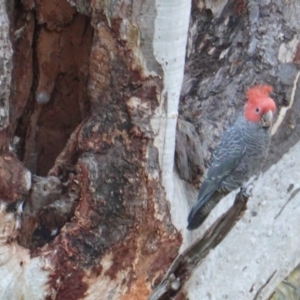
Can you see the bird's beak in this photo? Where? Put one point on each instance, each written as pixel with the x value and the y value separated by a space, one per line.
pixel 266 119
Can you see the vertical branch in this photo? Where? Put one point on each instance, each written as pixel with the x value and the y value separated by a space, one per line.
pixel 171 30
pixel 5 65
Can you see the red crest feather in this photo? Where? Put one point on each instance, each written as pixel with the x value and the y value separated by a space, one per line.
pixel 259 102
pixel 258 92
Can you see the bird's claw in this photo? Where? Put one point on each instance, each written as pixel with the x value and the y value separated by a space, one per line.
pixel 247 190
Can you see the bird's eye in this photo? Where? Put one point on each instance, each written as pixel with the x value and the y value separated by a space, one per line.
pixel 257 109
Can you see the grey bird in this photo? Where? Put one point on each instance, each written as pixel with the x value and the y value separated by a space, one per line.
pixel 242 150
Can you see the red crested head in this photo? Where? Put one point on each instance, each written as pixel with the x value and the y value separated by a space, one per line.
pixel 259 103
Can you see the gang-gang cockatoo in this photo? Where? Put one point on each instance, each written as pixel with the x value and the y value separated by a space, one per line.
pixel 242 150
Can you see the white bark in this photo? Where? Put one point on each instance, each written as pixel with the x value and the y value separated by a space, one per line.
pixel 170 37
pixel 263 247
pixel 5 65
pixel 21 276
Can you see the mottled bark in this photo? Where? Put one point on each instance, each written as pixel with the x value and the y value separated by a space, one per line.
pixel 90 108
pixel 92 206
pixel 232 45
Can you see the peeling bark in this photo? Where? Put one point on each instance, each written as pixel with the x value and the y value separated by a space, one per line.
pixel 89 101
pixel 92 205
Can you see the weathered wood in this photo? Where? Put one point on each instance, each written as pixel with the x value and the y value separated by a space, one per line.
pixel 92 125
pixel 184 264
pixel 233 45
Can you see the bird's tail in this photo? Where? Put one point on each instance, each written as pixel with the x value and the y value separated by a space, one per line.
pixel 201 210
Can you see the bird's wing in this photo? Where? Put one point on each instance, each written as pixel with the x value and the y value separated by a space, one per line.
pixel 226 158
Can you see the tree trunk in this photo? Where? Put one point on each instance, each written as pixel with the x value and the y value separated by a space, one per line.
pixel 93 206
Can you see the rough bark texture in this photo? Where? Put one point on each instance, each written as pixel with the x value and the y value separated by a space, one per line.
pixel 91 207
pixel 233 45
pixel 86 89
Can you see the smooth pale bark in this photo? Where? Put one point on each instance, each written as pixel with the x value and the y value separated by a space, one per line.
pixel 263 247
pixel 6 65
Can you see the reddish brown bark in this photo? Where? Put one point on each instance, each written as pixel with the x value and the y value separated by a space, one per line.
pixel 95 190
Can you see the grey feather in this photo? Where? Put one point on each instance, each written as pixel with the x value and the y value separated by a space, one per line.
pixel 240 154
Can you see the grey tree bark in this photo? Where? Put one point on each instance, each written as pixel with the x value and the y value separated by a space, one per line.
pixel 98 101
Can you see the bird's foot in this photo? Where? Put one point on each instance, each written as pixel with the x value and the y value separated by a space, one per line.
pixel 247 190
